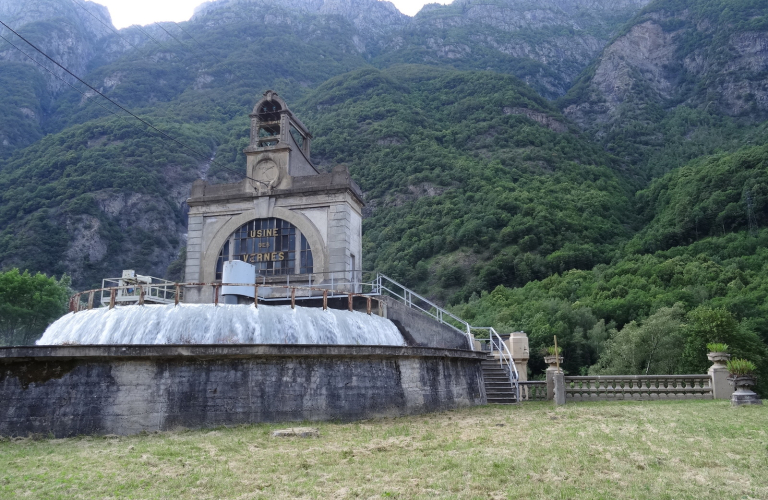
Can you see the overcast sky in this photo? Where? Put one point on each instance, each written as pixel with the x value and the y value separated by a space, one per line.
pixel 128 12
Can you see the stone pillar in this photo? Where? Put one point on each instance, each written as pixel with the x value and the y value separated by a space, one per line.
pixel 718 372
pixel 551 371
pixel 559 388
pixel 518 346
pixel 476 343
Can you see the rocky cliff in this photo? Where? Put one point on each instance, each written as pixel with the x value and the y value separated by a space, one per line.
pixel 70 32
pixel 545 43
pixel 673 57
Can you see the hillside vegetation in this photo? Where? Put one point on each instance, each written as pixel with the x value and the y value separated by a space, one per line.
pixel 466 189
pixel 714 287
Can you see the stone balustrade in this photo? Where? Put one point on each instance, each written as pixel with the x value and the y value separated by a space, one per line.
pixel 637 387
pixel 535 390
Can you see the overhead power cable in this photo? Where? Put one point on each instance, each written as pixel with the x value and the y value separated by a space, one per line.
pixel 170 35
pixel 160 132
pixel 150 36
pixel 194 39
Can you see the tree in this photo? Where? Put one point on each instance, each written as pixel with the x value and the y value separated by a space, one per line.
pixel 648 348
pixel 28 304
pixel 707 324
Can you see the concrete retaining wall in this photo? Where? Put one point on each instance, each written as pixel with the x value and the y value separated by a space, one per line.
pixel 418 329
pixel 70 390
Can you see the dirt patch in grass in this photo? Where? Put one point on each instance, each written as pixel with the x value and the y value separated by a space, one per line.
pixel 654 450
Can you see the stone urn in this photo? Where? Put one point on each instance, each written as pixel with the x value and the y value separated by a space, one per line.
pixel 719 358
pixel 552 361
pixel 743 394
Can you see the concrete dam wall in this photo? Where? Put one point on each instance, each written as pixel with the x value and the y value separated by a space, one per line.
pixel 126 389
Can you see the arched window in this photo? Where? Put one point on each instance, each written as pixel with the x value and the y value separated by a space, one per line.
pixel 274 246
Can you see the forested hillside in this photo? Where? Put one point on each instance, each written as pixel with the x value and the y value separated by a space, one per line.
pixel 668 273
pixel 591 169
pixel 484 182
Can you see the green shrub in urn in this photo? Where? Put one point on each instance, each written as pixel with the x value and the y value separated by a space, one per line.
pixel 554 351
pixel 742 377
pixel 717 347
pixel 741 368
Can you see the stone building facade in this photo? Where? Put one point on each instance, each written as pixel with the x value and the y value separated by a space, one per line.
pixel 285 220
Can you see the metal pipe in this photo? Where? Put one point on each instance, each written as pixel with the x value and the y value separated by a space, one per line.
pixel 256 296
pixel 368 306
pixel 178 294
pixel 349 301
pixel 325 300
pixel 215 295
pixel 112 297
pixel 293 298
pixel 90 300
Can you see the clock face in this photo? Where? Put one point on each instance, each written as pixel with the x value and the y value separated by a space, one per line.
pixel 267 171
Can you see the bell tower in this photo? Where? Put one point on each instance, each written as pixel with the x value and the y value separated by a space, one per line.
pixel 279 146
pixel 284 222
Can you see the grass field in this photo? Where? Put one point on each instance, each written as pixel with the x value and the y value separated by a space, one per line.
pixel 654 450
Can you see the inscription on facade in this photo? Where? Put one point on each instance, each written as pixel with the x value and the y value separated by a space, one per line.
pixel 273 246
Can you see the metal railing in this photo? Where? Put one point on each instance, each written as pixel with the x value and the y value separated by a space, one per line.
pixel 337 281
pixel 384 285
pixel 76 301
pixel 495 342
pixel 163 293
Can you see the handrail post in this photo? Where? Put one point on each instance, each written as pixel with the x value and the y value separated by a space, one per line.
pixel 90 300
pixel 349 301
pixel 293 298
pixel 368 306
pixel 325 300
pixel 112 297
pixel 256 295
pixel 215 295
pixel 178 295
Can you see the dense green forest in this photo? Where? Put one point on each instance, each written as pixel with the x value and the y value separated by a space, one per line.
pixel 629 217
pixel 666 271
pixel 471 196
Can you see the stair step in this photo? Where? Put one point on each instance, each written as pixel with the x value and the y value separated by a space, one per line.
pixel 498 387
